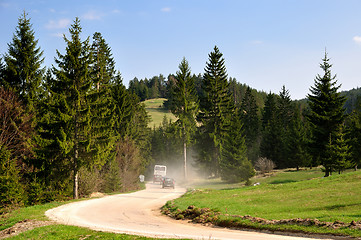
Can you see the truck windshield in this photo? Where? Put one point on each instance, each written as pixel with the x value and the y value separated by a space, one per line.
pixel 159 168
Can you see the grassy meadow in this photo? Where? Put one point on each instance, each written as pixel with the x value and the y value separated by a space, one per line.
pixel 60 232
pixel 156 111
pixel 285 195
pixel 281 195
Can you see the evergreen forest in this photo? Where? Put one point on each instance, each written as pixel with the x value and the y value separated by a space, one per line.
pixel 74 128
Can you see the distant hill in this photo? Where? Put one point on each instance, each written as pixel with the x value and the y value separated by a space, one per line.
pixel 157 112
pixel 353 96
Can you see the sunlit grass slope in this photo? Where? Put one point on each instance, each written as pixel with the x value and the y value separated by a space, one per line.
pixel 327 199
pixel 156 111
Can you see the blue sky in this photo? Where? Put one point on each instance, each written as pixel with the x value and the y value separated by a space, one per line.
pixel 266 43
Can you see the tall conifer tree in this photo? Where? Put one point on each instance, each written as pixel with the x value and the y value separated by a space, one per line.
pixel 285 115
pixel 72 106
pixel 354 134
pixel 326 115
pixel 102 107
pixel 271 138
pixel 251 123
pixel 234 165
pixel 185 106
pixel 23 71
pixel 215 110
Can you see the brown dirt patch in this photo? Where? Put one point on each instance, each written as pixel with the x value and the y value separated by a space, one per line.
pixel 23 226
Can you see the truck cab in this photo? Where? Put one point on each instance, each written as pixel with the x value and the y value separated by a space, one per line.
pixel 160 171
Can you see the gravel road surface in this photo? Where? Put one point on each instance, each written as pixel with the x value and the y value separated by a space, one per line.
pixel 138 214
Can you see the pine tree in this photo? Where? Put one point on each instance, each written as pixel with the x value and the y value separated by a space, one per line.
pixel 327 114
pixel 124 108
pixel 269 110
pixel 23 71
pixel 215 111
pixel 131 119
pixel 297 142
pixel 52 167
pixel 71 103
pixel 185 106
pixel 251 123
pixel 234 165
pixel 285 115
pixel 354 134
pixel 339 151
pixel 102 107
pixel 271 143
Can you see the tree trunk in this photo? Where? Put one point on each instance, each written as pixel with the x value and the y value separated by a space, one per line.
pixel 75 187
pixel 76 176
pixel 327 172
pixel 76 155
pixel 185 160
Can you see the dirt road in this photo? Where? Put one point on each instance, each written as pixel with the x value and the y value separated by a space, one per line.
pixel 138 213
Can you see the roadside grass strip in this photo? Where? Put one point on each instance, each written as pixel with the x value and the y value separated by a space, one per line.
pixel 322 205
pixel 64 232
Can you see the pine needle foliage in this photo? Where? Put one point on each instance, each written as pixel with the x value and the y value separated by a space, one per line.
pixel 23 71
pixel 185 106
pixel 326 114
pixel 216 108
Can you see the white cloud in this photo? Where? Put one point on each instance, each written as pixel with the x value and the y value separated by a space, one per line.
pixel 357 39
pixel 60 24
pixel 92 15
pixel 166 9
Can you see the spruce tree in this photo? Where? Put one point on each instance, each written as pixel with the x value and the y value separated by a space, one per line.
pixel 102 107
pixel 123 111
pixel 354 134
pixel 251 124
pixel 215 111
pixel 234 165
pixel 71 102
pixel 185 106
pixel 326 114
pixel 23 71
pixel 339 151
pixel 271 143
pixel 297 142
pixel 53 168
pixel 285 116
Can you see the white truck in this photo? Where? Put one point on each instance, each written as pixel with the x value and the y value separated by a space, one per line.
pixel 160 171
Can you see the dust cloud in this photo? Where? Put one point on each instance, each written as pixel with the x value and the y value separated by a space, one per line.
pixel 175 169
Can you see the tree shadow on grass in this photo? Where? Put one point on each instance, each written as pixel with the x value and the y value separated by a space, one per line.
pixel 283 181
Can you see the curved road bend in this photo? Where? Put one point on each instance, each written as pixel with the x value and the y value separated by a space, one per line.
pixel 138 214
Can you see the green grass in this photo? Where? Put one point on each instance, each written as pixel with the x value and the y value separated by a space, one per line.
pixel 276 177
pixel 156 111
pixel 290 175
pixel 36 212
pixel 55 232
pixel 288 195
